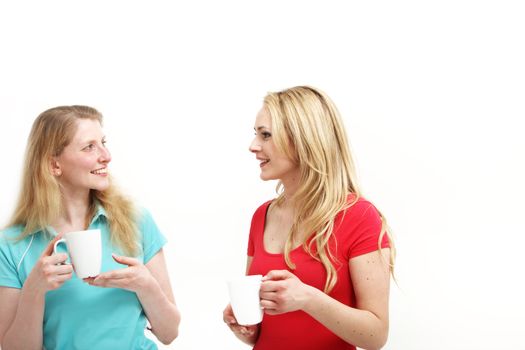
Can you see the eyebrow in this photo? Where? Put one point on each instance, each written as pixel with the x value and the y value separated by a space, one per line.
pixel 92 140
pixel 261 128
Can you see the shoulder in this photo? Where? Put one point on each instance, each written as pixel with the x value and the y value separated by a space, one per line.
pixel 11 233
pixel 145 221
pixel 261 210
pixel 10 242
pixel 359 212
pixel 143 215
pixel 362 208
pixel 259 215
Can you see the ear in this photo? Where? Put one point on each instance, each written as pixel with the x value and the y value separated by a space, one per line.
pixel 55 167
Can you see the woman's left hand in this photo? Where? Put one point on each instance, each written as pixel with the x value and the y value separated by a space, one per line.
pixel 281 291
pixel 136 277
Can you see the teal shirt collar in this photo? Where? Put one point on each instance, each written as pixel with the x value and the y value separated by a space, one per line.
pixel 99 211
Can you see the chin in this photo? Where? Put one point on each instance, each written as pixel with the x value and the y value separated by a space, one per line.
pixel 101 186
pixel 266 177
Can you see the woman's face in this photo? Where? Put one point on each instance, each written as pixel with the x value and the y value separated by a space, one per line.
pixel 83 164
pixel 274 164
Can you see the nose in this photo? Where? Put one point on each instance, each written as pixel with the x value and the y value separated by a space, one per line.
pixel 104 155
pixel 255 146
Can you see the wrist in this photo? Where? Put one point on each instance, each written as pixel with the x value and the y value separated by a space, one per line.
pixel 311 300
pixel 32 298
pixel 30 291
pixel 149 286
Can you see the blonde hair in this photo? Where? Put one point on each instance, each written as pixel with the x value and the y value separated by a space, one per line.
pixel 307 128
pixel 40 200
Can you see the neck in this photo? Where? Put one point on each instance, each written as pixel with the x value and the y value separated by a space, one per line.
pixel 75 211
pixel 290 185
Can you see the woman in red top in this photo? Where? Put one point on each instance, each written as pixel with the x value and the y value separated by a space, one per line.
pixel 325 252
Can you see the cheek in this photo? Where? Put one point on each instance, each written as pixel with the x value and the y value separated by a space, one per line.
pixel 84 163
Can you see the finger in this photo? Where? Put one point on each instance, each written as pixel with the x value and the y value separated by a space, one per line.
pixel 228 309
pixel 115 274
pixel 230 320
pixel 228 317
pixel 246 331
pixel 268 295
pixel 99 283
pixel 272 311
pixel 122 284
pixel 125 260
pixel 64 277
pixel 268 305
pixel 271 286
pixel 49 249
pixel 63 269
pixel 111 282
pixel 55 259
pixel 277 275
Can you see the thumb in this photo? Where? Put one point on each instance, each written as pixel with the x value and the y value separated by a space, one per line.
pixel 125 260
pixel 277 275
pixel 49 249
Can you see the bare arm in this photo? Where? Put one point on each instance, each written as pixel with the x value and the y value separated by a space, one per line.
pixel 152 285
pixel 247 334
pixel 365 326
pixel 159 302
pixel 22 316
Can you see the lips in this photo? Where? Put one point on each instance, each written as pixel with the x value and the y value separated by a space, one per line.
pixel 101 171
pixel 263 162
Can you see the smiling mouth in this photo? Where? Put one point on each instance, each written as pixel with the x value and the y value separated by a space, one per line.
pixel 264 162
pixel 102 171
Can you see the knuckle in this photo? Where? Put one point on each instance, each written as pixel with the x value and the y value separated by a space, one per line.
pixel 47 270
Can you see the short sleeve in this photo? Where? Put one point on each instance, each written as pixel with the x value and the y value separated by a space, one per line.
pixel 152 239
pixel 364 228
pixel 257 227
pixel 251 240
pixel 8 271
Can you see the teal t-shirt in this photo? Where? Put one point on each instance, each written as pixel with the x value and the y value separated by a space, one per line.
pixel 77 315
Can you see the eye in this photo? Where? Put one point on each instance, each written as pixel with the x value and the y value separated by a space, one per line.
pixel 104 143
pixel 266 135
pixel 89 147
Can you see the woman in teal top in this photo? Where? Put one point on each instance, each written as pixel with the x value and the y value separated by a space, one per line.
pixel 66 187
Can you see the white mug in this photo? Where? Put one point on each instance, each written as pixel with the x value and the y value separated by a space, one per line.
pixel 85 251
pixel 244 299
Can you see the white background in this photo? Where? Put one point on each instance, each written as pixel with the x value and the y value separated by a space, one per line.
pixel 432 95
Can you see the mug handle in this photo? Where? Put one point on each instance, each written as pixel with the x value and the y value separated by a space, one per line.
pixel 62 240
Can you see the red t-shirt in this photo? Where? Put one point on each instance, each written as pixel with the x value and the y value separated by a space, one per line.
pixel 357 233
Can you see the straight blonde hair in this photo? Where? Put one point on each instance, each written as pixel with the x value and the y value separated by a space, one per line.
pixel 307 128
pixel 40 200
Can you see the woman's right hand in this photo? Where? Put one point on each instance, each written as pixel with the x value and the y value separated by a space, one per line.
pixel 49 272
pixel 247 334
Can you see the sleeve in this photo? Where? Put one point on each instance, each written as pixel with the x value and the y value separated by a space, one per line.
pixel 8 271
pixel 364 235
pixel 257 227
pixel 152 239
pixel 251 240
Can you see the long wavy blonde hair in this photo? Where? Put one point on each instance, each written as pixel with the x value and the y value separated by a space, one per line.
pixel 307 128
pixel 40 200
